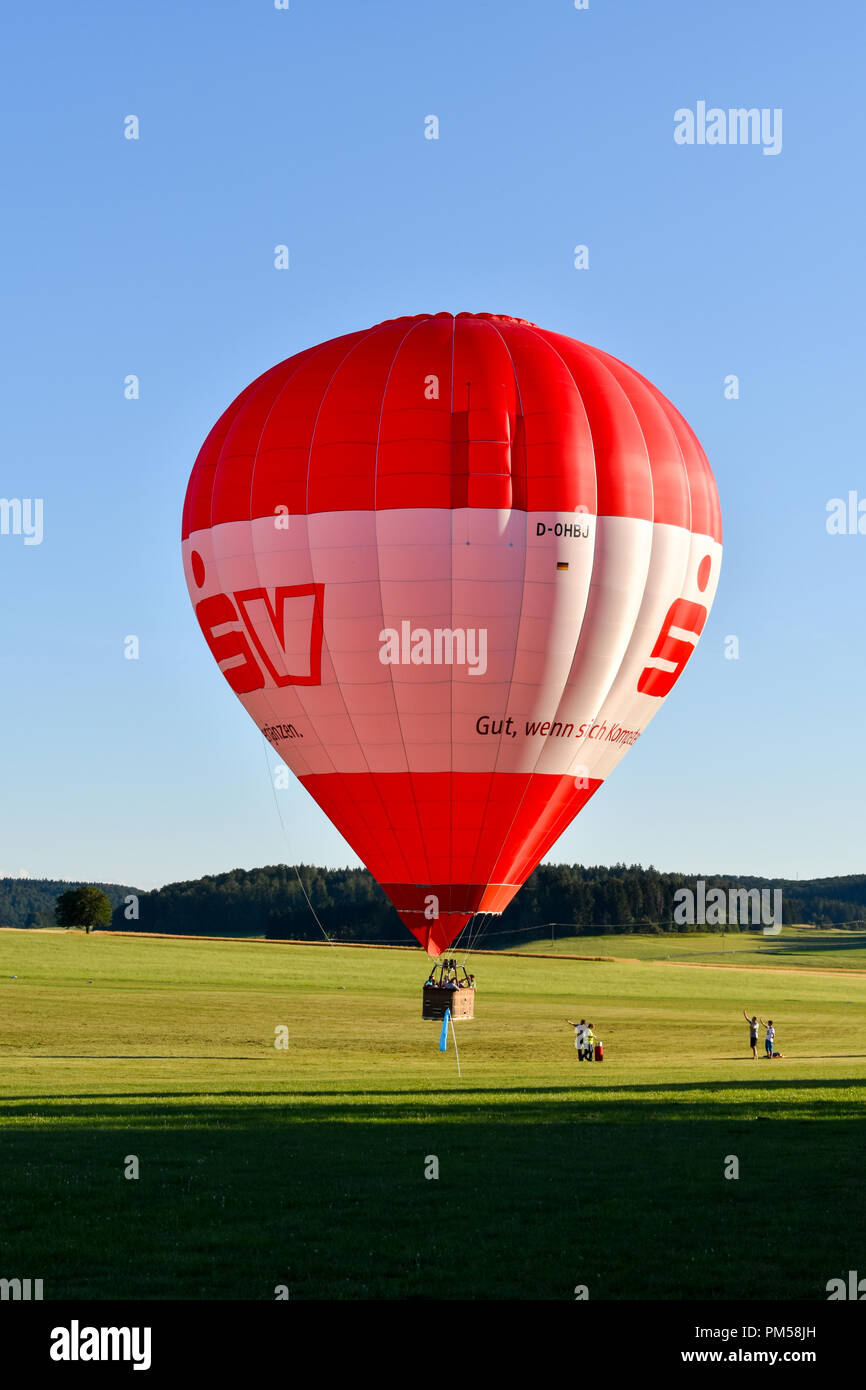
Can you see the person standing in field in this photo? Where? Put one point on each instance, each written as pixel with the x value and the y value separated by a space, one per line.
pixel 589 1045
pixel 753 1033
pixel 769 1040
pixel 579 1036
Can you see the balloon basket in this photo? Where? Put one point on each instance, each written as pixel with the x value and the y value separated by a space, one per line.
pixel 446 989
pixel 461 1002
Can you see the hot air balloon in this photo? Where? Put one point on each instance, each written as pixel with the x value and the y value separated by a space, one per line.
pixel 451 566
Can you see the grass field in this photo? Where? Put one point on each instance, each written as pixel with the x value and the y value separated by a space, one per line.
pixel 813 947
pixel 305 1166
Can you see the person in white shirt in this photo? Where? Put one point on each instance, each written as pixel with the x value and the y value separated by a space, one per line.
pixel 580 1031
pixel 769 1040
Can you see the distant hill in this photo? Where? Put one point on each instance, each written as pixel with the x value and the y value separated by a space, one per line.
pixel 270 901
pixel 30 902
pixel 351 907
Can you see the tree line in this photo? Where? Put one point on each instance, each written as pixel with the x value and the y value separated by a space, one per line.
pixel 280 902
pixel 31 902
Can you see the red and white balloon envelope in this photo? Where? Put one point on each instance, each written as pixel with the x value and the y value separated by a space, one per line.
pixel 451 566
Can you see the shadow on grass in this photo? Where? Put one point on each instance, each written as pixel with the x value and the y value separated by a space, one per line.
pixel 616 1104
pixel 457 1088
pixel 527 1201
pixel 793 948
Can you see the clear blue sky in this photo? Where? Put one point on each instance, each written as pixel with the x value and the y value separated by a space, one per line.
pixel 306 127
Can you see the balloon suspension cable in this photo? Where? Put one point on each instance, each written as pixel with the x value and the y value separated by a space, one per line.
pixel 265 747
pixel 474 928
pixel 457 945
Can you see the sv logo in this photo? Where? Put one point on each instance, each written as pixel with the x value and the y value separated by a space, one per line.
pixel 683 625
pixel 244 656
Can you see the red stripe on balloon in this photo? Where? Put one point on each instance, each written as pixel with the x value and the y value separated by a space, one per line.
pixel 460 842
pixel 437 411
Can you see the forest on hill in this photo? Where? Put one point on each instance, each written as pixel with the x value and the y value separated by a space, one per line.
pixel 30 902
pixel 280 902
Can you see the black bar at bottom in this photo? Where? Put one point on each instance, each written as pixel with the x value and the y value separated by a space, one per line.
pixel 165 1339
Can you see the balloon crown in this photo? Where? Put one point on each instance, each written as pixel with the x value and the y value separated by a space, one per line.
pixel 462 314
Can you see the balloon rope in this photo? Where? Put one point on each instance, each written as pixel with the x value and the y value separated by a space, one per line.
pixel 454 1036
pixel 468 930
pixel 471 936
pixel 476 926
pixel 265 747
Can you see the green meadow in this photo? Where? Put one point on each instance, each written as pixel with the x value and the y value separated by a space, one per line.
pixel 304 1166
pixel 832 948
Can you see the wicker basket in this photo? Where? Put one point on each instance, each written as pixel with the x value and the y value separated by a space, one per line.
pixel 435 999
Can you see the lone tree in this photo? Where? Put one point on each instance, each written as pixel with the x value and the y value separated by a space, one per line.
pixel 83 907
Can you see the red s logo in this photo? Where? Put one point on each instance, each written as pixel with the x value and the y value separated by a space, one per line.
pixel 215 612
pixel 689 618
pixel 296 612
